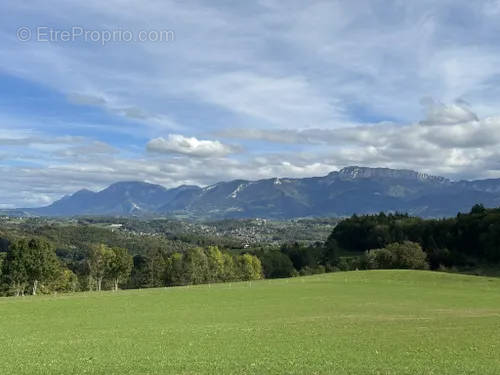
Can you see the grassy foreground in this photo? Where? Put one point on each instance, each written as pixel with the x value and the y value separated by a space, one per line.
pixel 366 322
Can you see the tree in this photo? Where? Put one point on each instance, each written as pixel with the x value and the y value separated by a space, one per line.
pixel 215 260
pixel 249 267
pixel 379 259
pixel 257 273
pixel 30 262
pixel 175 270
pixel 330 252
pixel 14 269
pixel 302 256
pixel 41 263
pixel 66 281
pixel 276 264
pixel 120 266
pixel 99 262
pixel 408 255
pixel 229 267
pixel 2 261
pixel 139 277
pixel 196 266
pixel 478 209
pixel 4 244
pixel 157 262
pixel 440 258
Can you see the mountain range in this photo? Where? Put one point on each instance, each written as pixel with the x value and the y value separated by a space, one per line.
pixel 351 190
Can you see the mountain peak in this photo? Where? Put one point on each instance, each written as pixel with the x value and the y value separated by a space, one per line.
pixel 355 172
pixel 79 194
pixel 122 184
pixel 83 192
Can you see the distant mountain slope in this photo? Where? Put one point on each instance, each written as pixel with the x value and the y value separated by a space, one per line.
pixel 351 190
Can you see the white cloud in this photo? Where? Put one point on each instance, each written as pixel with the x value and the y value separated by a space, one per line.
pixel 179 144
pixel 89 149
pixel 38 140
pixel 452 114
pixel 113 106
pixel 279 101
pixel 458 144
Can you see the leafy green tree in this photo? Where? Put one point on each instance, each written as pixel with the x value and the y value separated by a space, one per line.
pixel 99 261
pixel 66 281
pixel 257 268
pixel 139 277
pixel 215 260
pixel 4 244
pixel 175 273
pixel 30 262
pixel 440 258
pixel 229 267
pixel 14 268
pixel 157 262
pixel 2 260
pixel 41 263
pixel 249 267
pixel 408 255
pixel 275 264
pixel 120 266
pixel 196 266
pixel 478 209
pixel 302 256
pixel 330 252
pixel 379 259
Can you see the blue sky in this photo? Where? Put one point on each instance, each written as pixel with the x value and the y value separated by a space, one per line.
pixel 243 90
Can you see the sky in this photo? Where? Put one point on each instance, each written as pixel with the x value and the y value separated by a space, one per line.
pixel 195 92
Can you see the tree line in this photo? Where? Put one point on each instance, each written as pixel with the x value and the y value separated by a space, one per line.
pixel 31 266
pixel 464 240
pixel 56 259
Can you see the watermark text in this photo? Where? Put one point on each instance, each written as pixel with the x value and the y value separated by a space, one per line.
pixel 47 34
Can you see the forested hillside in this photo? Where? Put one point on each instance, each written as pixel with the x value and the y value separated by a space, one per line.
pixel 45 257
pixel 465 239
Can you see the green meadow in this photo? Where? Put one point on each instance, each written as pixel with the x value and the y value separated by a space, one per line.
pixel 360 322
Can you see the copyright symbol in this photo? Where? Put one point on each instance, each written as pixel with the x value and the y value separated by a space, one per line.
pixel 24 34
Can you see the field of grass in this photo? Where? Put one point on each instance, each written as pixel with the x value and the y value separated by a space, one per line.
pixel 363 322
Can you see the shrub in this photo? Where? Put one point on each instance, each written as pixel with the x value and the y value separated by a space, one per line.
pixel 379 259
pixel 405 255
pixel 408 255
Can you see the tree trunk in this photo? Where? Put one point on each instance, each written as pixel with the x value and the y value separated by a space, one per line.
pixel 90 283
pixel 99 283
pixel 116 285
pixel 35 286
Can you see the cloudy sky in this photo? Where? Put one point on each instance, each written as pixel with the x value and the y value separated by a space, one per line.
pixel 194 92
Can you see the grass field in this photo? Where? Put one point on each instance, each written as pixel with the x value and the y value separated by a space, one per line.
pixel 373 322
